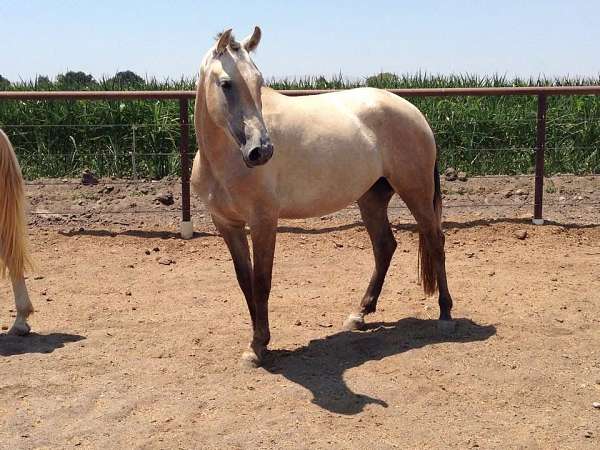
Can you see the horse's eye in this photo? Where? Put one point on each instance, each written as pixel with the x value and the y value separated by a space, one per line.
pixel 225 84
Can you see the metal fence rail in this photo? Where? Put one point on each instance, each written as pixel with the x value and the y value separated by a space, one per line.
pixel 183 97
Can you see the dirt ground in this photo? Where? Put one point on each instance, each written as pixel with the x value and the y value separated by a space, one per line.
pixel 138 334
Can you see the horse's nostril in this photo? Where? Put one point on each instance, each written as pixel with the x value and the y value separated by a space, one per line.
pixel 254 154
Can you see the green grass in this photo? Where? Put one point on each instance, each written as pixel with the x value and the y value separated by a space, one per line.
pixel 481 135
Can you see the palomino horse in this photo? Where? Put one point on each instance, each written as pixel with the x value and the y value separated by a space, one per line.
pixel 262 156
pixel 13 249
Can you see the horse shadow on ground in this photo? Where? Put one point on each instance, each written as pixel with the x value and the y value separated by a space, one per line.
pixel 447 225
pixel 144 234
pixel 35 343
pixel 320 365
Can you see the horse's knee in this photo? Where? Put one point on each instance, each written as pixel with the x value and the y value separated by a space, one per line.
pixel 385 247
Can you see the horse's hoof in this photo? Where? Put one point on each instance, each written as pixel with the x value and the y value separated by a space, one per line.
pixel 20 329
pixel 446 326
pixel 250 360
pixel 354 322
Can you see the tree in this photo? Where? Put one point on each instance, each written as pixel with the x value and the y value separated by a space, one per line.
pixel 42 81
pixel 4 83
pixel 127 78
pixel 75 80
pixel 383 80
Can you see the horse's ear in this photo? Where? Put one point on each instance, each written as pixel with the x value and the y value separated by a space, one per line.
pixel 224 40
pixel 251 42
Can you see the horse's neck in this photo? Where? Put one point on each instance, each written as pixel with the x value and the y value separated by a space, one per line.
pixel 213 144
pixel 271 99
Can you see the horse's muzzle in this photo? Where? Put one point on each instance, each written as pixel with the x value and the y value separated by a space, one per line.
pixel 258 155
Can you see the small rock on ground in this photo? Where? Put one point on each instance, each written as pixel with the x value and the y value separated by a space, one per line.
pixel 165 199
pixel 106 190
pixel 450 174
pixel 521 234
pixel 88 178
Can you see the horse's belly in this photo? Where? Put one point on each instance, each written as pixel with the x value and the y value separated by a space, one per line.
pixel 316 208
pixel 322 189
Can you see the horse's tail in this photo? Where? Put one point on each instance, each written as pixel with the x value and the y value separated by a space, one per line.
pixel 14 256
pixel 437 195
pixel 427 256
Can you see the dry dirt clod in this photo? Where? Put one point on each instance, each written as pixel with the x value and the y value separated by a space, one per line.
pixel 88 178
pixel 165 261
pixel 106 190
pixel 165 199
pixel 450 174
pixel 521 234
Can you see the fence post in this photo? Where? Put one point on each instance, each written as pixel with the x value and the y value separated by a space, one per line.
pixel 540 148
pixel 133 149
pixel 187 228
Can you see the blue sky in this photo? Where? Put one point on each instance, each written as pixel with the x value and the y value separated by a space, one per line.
pixel 168 39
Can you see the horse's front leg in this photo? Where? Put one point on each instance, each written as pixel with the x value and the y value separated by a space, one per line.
pixel 23 306
pixel 237 243
pixel 263 232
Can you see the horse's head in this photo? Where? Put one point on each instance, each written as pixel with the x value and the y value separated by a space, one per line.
pixel 231 85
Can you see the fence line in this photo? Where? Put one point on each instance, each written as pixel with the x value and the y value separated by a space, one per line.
pixel 348 208
pixel 150 182
pixel 183 97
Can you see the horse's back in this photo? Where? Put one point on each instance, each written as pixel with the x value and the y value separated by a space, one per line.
pixel 402 135
pixel 331 148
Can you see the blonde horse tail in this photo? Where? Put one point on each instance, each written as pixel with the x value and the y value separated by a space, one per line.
pixel 427 246
pixel 14 256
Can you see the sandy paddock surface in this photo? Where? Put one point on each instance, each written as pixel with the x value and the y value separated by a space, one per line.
pixel 137 334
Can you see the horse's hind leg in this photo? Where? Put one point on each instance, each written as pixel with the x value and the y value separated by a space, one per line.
pixel 23 306
pixel 432 257
pixel 373 209
pixel 423 197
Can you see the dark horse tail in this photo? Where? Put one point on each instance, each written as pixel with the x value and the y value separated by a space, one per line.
pixel 427 254
pixel 437 196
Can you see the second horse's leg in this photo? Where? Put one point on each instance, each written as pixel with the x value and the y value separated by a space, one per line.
pixel 23 306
